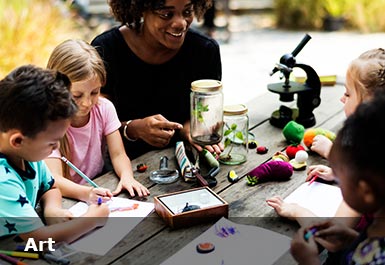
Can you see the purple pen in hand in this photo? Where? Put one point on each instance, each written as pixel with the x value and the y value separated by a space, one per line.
pixel 310 233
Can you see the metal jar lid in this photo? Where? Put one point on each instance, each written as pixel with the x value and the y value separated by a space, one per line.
pixel 206 85
pixel 231 110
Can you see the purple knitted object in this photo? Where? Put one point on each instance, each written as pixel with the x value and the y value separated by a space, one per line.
pixel 272 170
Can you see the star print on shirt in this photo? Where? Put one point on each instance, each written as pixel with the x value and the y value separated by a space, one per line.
pixel 10 226
pixel 51 182
pixel 7 171
pixel 43 189
pixel 22 200
pixel 40 192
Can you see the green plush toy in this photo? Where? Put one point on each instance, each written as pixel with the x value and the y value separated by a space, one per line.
pixel 293 132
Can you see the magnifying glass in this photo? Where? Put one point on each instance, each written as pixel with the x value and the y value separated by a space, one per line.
pixel 164 175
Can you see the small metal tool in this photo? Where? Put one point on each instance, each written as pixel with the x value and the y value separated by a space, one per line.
pixel 164 175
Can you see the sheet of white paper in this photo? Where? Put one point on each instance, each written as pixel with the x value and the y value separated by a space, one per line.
pixel 234 244
pixel 322 199
pixel 101 240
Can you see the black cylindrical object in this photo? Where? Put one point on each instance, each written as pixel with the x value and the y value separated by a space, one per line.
pixel 302 44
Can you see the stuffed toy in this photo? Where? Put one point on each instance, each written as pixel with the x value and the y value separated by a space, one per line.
pixel 293 132
pixel 279 156
pixel 272 170
pixel 312 132
pixel 299 162
pixel 291 150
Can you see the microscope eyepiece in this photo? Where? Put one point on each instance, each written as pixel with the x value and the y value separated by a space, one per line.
pixel 302 44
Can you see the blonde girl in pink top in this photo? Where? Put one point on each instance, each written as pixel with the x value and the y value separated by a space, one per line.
pixel 94 130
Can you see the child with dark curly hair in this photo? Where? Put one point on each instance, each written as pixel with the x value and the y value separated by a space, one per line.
pixel 356 160
pixel 151 60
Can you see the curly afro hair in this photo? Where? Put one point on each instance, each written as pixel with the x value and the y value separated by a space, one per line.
pixel 129 12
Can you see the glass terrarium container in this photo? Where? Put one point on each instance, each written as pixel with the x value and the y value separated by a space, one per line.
pixel 206 103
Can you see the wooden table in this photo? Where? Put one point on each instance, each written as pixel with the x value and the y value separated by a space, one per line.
pixel 152 242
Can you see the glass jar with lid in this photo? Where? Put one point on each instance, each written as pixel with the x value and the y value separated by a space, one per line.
pixel 206 105
pixel 235 135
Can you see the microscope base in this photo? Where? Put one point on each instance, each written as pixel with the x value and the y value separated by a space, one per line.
pixel 283 115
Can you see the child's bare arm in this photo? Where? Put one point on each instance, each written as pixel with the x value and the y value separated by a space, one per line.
pixel 292 211
pixel 72 229
pixel 73 190
pixel 52 207
pixel 69 231
pixel 350 217
pixel 123 168
pixel 67 187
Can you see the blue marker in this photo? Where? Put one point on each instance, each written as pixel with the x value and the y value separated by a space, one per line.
pixel 100 200
pixel 310 233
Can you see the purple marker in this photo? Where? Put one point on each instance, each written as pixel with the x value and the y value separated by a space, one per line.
pixel 310 233
pixel 100 200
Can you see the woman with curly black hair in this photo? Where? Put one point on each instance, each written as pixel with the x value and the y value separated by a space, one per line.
pixel 151 60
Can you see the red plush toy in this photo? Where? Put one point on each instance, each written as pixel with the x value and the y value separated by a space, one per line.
pixel 291 150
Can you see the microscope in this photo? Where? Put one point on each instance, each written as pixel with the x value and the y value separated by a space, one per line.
pixel 308 93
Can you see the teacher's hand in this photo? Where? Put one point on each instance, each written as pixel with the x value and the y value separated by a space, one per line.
pixel 156 130
pixel 215 149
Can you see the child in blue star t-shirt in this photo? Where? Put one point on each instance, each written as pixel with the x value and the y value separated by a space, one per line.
pixel 35 110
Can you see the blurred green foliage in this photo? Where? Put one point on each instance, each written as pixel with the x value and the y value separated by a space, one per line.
pixel 362 15
pixel 30 29
pixel 367 15
pixel 298 14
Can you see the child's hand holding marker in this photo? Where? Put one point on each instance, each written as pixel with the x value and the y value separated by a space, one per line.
pixel 96 193
pixel 313 179
pixel 320 171
pixel 99 213
pixel 311 232
pixel 333 234
pixel 304 251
